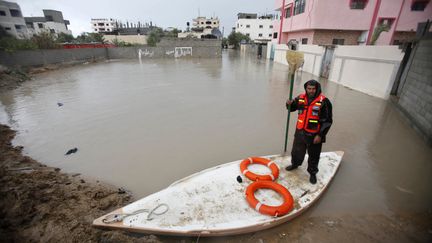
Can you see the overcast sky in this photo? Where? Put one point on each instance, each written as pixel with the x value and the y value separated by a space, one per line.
pixel 174 13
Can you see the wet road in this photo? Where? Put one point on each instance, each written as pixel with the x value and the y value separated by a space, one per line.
pixel 145 125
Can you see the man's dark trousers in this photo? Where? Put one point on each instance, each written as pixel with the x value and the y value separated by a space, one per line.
pixel 302 143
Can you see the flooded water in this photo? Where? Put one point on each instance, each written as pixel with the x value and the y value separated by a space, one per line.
pixel 144 125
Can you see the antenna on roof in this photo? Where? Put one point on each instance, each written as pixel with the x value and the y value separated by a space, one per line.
pixel 198 12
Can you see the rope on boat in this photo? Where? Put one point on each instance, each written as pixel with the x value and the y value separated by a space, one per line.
pixel 118 217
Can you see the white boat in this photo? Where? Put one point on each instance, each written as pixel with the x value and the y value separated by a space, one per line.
pixel 213 203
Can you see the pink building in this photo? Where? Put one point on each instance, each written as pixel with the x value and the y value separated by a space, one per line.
pixel 349 22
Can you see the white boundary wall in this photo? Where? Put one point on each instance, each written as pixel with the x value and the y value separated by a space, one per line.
pixel 369 69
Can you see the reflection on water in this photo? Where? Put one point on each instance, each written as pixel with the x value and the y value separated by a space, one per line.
pixel 144 125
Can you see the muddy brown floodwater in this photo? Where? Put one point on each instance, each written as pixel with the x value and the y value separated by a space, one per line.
pixel 142 126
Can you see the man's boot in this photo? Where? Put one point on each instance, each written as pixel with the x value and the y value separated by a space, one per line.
pixel 313 179
pixel 291 167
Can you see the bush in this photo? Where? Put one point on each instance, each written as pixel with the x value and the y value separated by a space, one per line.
pixel 118 43
pixel 64 38
pixel 11 44
pixel 45 40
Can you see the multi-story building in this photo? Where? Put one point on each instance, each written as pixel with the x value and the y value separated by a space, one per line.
pixel 259 29
pixel 52 22
pixel 103 25
pixel 349 22
pixel 12 20
pixel 203 28
pixel 205 23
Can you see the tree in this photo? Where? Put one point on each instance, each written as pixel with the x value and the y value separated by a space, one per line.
pixel 155 36
pixel 64 38
pixel 45 40
pixel 11 44
pixel 173 33
pixel 236 37
pixel 120 43
pixel 378 30
pixel 90 37
pixel 224 42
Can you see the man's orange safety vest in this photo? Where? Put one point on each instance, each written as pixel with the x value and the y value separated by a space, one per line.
pixel 308 114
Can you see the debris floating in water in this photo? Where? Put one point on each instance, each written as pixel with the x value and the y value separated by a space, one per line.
pixel 59 104
pixel 121 190
pixel 239 179
pixel 71 151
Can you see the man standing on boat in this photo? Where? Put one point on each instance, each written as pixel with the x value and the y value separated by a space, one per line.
pixel 313 123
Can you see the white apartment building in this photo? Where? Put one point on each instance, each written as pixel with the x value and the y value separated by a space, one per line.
pixel 259 29
pixel 103 25
pixel 203 22
pixel 12 21
pixel 203 27
pixel 52 22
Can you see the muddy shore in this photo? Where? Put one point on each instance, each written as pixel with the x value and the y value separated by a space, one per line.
pixel 43 204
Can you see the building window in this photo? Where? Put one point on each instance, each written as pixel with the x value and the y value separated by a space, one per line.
pixel 386 22
pixel 7 28
pixel 52 31
pixel 247 34
pixel 288 12
pixel 299 6
pixel 261 26
pixel 270 35
pixel 304 41
pixel 247 26
pixel 358 4
pixel 275 35
pixel 40 25
pixel 419 5
pixel 397 42
pixel 338 41
pixel 260 35
pixel 15 13
pixel 2 13
pixel 49 18
pixel 18 27
pixel 271 26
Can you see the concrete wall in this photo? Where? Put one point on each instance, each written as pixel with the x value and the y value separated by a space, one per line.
pixel 253 49
pixel 369 69
pixel 325 37
pixel 170 48
pixel 45 57
pixel 312 56
pixel 416 89
pixel 165 49
pixel 133 39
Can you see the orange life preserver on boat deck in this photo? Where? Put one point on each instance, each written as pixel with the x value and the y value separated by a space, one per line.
pixel 276 211
pixel 257 160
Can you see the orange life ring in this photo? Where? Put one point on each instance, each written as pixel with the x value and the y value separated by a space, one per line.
pixel 276 211
pixel 257 160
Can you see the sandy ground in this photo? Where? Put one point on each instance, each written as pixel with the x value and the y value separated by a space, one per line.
pixel 42 204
